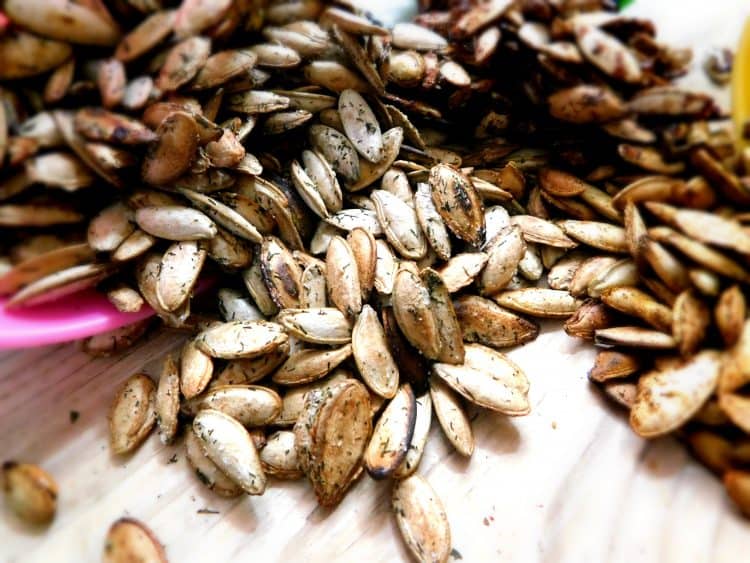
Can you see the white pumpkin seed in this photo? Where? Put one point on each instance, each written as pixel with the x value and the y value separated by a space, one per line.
pixel 342 277
pixel 175 223
pixel 279 456
pixel 229 446
pixel 306 366
pixel 392 435
pixel 400 225
pixel 180 267
pixel 462 269
pixel 336 150
pixel 360 125
pixel 372 354
pixel 250 405
pixel 240 339
pixel 489 379
pixel 317 326
pixel 207 471
pixel 452 417
pixel 503 256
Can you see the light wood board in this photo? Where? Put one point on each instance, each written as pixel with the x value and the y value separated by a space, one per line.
pixel 569 482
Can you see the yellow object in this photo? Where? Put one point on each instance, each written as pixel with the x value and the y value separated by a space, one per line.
pixel 741 85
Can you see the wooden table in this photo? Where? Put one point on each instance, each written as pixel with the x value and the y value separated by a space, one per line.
pixel 569 482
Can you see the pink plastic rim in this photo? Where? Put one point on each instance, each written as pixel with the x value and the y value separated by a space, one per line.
pixel 77 316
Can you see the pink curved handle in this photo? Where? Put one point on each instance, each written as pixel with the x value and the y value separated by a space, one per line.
pixel 76 316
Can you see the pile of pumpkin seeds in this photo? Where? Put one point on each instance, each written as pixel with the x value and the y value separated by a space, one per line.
pixel 351 221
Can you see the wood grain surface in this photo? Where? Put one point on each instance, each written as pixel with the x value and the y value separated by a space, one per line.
pixel 570 482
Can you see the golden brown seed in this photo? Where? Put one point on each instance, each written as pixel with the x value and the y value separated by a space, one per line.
pixel 183 62
pixel 25 54
pixel 586 104
pixel 729 314
pixel 538 302
pixel 611 364
pixel 30 492
pixel 196 369
pixel 634 336
pixel 607 53
pixel 700 253
pixel 421 519
pixel 712 450
pixel 561 184
pixel 632 301
pixel 146 35
pixel 168 400
pixel 131 540
pixel 737 408
pixel 728 183
pixel 737 484
pixel 691 320
pixel 735 369
pixel 704 226
pixel 483 321
pixel 668 398
pixel 173 152
pixel 590 317
pixel 132 414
